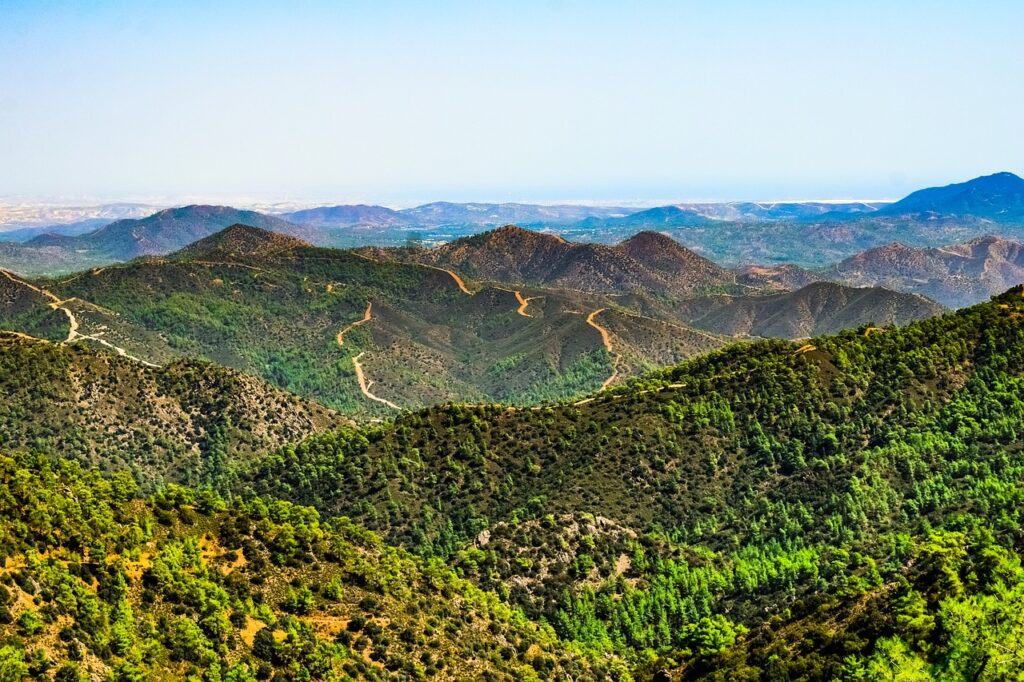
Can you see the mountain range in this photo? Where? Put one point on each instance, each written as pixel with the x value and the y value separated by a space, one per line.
pixel 998 197
pixel 509 456
pixel 806 234
pixel 845 506
pixel 510 315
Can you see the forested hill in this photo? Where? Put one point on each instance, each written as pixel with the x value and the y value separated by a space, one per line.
pixel 184 422
pixel 743 489
pixel 98 583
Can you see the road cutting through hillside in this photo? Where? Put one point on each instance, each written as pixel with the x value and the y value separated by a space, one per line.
pixel 55 304
pixel 606 339
pixel 73 334
pixel 458 280
pixel 367 316
pixel 523 302
pixel 364 386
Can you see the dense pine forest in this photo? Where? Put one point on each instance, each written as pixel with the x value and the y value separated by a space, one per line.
pixel 846 508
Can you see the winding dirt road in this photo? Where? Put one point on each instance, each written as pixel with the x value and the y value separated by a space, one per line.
pixel 367 316
pixel 364 385
pixel 73 335
pixel 606 339
pixel 523 302
pixel 55 304
pixel 458 280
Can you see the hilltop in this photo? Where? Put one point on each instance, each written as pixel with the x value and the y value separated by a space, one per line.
pixel 240 241
pixel 182 422
pixel 998 197
pixel 957 275
pixel 647 263
pixel 834 498
pixel 163 232
pixel 359 215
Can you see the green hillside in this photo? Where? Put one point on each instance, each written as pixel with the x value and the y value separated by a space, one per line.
pixel 185 422
pixel 293 315
pixel 761 486
pixel 99 583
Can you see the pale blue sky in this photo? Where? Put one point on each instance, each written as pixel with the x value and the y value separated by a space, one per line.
pixel 398 102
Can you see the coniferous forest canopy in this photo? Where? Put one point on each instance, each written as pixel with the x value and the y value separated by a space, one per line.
pixel 842 508
pixel 404 341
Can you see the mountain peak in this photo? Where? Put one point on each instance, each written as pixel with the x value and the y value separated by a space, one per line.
pixel 513 235
pixel 999 196
pixel 661 252
pixel 240 240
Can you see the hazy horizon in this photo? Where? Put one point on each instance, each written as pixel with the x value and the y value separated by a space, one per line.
pixel 402 103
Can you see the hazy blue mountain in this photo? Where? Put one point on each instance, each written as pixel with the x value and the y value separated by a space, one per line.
pixel 23 234
pixel 358 215
pixel 495 215
pixel 998 197
pixel 163 232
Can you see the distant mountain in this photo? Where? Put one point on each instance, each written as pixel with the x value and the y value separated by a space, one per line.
pixel 446 213
pixel 23 234
pixel 648 263
pixel 163 232
pixel 998 197
pixel 702 214
pixel 820 308
pixel 955 276
pixel 359 215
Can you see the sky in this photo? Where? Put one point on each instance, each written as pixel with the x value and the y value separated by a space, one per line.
pixel 397 102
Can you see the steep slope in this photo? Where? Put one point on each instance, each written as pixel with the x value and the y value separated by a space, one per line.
pixel 820 308
pixel 514 255
pixel 955 276
pixel 101 583
pixel 998 197
pixel 357 334
pixel 181 422
pixel 163 232
pixel 728 498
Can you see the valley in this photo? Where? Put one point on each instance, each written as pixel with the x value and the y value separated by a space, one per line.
pixel 510 456
pixel 274 306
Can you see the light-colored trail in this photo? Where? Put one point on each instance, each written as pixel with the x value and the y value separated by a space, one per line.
pixel 367 316
pixel 55 303
pixel 117 349
pixel 458 280
pixel 364 386
pixel 73 335
pixel 606 339
pixel 523 302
